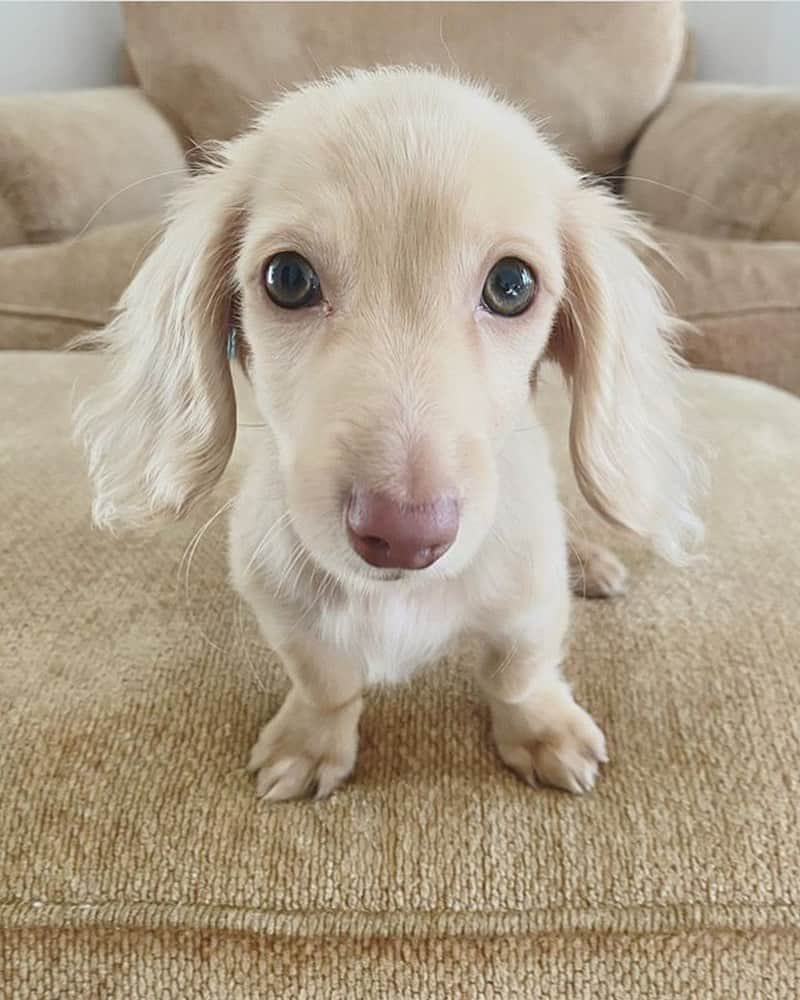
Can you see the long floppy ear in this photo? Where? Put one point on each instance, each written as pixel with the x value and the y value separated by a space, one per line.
pixel 615 342
pixel 159 433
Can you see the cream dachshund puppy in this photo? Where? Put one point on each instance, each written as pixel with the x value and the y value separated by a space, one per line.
pixel 399 251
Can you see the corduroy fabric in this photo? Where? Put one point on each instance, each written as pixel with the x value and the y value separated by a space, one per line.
pixel 136 861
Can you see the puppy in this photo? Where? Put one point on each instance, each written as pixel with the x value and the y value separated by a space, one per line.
pixel 399 251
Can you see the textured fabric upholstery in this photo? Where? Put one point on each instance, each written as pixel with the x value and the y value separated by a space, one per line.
pixel 593 72
pixel 742 298
pixel 50 294
pixel 722 160
pixel 137 863
pixel 76 160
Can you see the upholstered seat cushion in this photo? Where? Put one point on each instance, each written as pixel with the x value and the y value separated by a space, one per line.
pixel 135 861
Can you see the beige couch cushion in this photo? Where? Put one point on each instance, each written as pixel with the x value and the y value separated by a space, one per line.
pixel 69 160
pixel 742 297
pixel 136 862
pixel 49 294
pixel 722 160
pixel 594 72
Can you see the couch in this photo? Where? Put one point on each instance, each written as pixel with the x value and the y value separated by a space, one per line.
pixel 135 861
pixel 716 168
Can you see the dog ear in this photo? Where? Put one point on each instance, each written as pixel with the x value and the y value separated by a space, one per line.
pixel 615 342
pixel 160 431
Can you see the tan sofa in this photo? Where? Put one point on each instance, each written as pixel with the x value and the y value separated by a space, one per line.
pixel 135 861
pixel 716 168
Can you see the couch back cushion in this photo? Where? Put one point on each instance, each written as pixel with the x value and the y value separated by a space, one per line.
pixel 593 73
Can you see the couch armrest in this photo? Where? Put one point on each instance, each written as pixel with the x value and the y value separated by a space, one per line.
pixel 742 299
pixel 51 294
pixel 80 157
pixel 721 160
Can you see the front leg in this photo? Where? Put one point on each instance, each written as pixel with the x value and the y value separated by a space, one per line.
pixel 309 747
pixel 539 730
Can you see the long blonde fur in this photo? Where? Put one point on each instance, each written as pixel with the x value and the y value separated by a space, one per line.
pixel 616 342
pixel 159 433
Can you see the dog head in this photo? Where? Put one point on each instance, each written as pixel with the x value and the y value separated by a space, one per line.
pixel 404 250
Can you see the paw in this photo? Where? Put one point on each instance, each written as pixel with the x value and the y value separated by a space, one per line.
pixel 596 572
pixel 554 745
pixel 305 752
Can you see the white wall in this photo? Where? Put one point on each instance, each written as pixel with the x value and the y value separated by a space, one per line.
pixel 56 45
pixel 747 42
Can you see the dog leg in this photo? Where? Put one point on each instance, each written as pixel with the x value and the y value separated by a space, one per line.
pixel 309 747
pixel 595 571
pixel 539 730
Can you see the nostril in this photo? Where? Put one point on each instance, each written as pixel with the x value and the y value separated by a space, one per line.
pixel 374 540
pixel 379 547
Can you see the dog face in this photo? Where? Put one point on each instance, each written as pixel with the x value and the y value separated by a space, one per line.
pixel 404 250
pixel 390 393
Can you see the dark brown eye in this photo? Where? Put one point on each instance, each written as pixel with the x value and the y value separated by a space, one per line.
pixel 510 287
pixel 291 282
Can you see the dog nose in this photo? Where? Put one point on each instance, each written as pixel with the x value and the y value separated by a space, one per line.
pixel 395 535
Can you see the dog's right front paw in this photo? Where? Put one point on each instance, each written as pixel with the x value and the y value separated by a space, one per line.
pixel 305 751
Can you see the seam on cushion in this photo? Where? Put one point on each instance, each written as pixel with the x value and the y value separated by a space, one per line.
pixel 33 313
pixel 733 313
pixel 487 935
pixel 312 923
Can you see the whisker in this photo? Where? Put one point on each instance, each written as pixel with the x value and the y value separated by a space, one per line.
pixel 188 557
pixel 313 58
pixel 301 555
pixel 322 592
pixel 512 652
pixel 454 65
pixel 295 554
pixel 667 187
pixel 300 558
pixel 198 536
pixel 278 522
pixel 577 559
pixel 128 187
pixel 242 638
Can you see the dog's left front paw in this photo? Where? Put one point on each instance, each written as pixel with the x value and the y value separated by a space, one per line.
pixel 556 744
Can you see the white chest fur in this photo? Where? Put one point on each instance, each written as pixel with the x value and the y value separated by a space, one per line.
pixel 393 633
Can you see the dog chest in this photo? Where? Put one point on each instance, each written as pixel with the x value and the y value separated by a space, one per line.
pixel 390 634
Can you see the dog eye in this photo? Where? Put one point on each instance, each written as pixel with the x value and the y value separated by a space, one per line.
pixel 291 282
pixel 510 287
